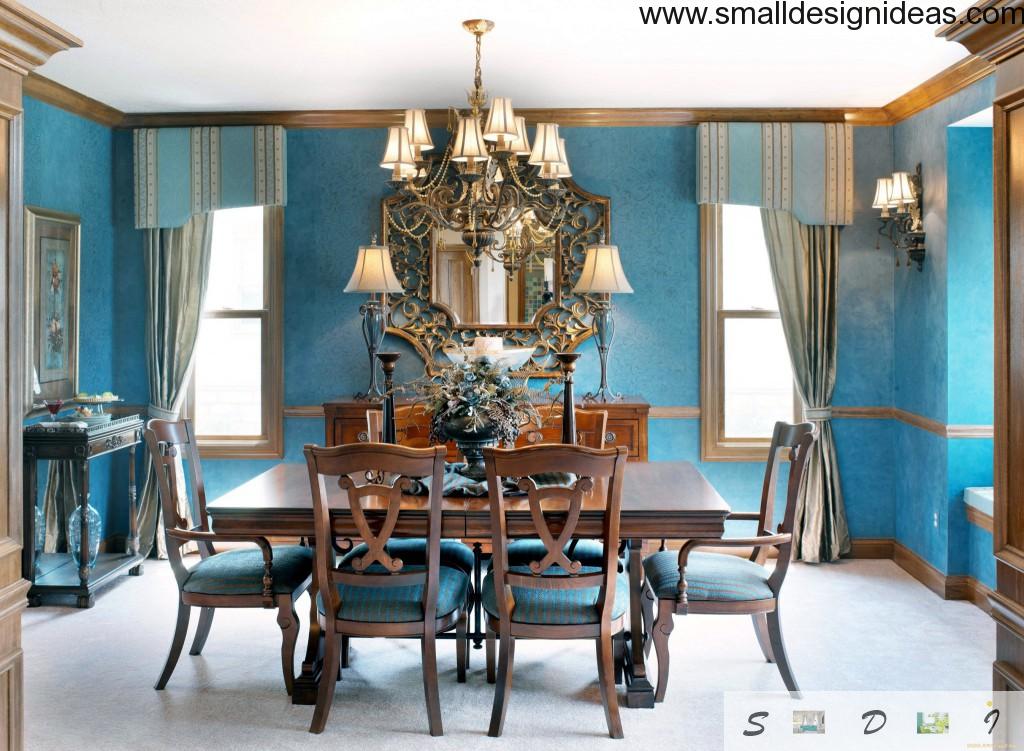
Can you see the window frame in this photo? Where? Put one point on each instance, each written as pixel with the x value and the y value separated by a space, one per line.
pixel 270 444
pixel 714 445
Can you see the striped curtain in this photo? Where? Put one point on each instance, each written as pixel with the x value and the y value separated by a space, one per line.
pixel 182 172
pixel 803 168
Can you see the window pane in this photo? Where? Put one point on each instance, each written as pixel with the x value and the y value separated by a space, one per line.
pixel 228 377
pixel 758 377
pixel 236 263
pixel 746 274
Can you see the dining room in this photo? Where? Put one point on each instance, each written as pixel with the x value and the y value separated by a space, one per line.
pixel 482 394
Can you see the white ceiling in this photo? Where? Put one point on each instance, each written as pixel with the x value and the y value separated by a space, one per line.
pixel 186 55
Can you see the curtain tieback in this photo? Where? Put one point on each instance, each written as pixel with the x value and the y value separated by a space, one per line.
pixel 162 414
pixel 818 414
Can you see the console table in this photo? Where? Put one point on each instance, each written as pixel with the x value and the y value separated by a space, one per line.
pixel 345 422
pixel 54 576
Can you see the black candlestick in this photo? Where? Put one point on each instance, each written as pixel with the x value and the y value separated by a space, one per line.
pixel 568 362
pixel 387 363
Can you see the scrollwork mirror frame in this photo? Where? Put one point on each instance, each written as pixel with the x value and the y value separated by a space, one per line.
pixel 557 327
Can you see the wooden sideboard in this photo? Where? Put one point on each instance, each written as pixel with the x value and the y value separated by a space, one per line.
pixel 345 422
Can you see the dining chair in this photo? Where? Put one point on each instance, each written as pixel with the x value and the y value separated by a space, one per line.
pixel 719 583
pixel 377 594
pixel 557 596
pixel 260 577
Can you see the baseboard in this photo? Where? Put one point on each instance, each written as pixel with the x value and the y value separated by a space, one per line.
pixel 880 548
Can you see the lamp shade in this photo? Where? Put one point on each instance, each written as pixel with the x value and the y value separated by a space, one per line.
pixel 419 133
pixel 883 189
pixel 373 271
pixel 562 168
pixel 501 120
pixel 397 153
pixel 602 271
pixel 902 190
pixel 545 145
pixel 469 142
pixel 520 145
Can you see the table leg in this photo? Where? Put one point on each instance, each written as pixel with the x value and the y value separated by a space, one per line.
pixel 307 682
pixel 29 491
pixel 639 691
pixel 133 513
pixel 85 599
pixel 478 564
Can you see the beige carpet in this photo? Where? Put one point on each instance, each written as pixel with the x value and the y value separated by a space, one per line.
pixel 853 626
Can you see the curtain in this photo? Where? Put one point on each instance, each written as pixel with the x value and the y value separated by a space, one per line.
pixel 59 501
pixel 177 269
pixel 805 271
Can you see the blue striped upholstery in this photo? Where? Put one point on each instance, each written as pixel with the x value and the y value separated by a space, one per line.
pixel 400 604
pixel 525 551
pixel 709 576
pixel 413 552
pixel 556 606
pixel 240 572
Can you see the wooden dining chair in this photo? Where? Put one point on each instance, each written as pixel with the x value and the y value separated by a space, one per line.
pixel 260 577
pixel 719 583
pixel 557 596
pixel 377 594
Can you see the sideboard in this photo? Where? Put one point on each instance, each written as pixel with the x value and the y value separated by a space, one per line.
pixel 345 422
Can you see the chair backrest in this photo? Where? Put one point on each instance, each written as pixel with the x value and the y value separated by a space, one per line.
pixel 598 483
pixel 374 476
pixel 412 425
pixel 792 443
pixel 591 427
pixel 172 447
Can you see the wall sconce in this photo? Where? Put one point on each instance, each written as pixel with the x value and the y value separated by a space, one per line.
pixel 900 198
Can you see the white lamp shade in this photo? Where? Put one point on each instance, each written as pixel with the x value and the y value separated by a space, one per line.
pixel 397 153
pixel 501 120
pixel 419 133
pixel 373 271
pixel 520 145
pixel 902 190
pixel 883 189
pixel 602 271
pixel 562 168
pixel 545 145
pixel 469 142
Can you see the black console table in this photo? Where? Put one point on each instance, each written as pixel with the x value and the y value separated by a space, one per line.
pixel 54 576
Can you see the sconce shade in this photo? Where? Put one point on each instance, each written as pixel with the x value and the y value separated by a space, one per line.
pixel 545 145
pixel 902 190
pixel 602 271
pixel 397 153
pixel 501 120
pixel 373 271
pixel 883 189
pixel 469 142
pixel 419 133
pixel 562 168
pixel 520 145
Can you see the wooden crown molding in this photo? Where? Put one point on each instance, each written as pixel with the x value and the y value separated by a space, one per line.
pixel 989 41
pixel 51 92
pixel 941 86
pixel 27 40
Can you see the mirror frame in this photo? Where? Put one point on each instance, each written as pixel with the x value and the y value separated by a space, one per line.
pixel 557 327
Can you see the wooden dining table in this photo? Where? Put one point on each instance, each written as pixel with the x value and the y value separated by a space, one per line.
pixel 660 500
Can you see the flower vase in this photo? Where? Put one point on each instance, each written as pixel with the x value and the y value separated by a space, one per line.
pixel 472 436
pixel 75 534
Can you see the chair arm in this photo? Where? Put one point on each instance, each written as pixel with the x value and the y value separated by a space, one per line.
pixel 744 516
pixel 689 546
pixel 195 535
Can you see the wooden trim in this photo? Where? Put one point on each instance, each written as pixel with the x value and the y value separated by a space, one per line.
pixel 994 42
pixel 872 548
pixel 863 413
pixel 310 410
pixel 979 594
pixel 940 86
pixel 675 413
pixel 918 421
pixel 58 95
pixel 970 431
pixel 27 40
pixel 979 518
pixel 923 571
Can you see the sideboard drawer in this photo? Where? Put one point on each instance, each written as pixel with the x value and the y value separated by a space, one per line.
pixel 349 430
pixel 623 433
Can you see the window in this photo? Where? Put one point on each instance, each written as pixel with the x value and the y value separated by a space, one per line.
pixel 235 394
pixel 746 378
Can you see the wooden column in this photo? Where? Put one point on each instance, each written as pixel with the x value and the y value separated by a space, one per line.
pixel 26 41
pixel 1003 44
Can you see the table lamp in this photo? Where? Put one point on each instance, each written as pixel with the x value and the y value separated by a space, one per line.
pixel 603 275
pixel 375 275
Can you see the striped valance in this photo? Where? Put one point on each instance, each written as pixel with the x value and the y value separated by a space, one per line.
pixel 804 168
pixel 184 171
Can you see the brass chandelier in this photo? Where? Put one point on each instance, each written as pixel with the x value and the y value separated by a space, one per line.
pixel 503 197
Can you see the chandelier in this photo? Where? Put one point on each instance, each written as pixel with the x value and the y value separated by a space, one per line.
pixel 501 196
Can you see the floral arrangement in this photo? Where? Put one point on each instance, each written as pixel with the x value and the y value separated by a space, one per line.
pixel 482 391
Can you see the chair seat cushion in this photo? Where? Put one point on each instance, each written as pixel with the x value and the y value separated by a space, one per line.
pixel 709 576
pixel 556 606
pixel 240 572
pixel 400 604
pixel 525 551
pixel 413 552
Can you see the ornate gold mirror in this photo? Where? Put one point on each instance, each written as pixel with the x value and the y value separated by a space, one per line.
pixel 452 297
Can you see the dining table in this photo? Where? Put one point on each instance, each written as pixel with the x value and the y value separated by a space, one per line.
pixel 668 500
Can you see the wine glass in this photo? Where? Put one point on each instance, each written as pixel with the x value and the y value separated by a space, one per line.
pixel 54 406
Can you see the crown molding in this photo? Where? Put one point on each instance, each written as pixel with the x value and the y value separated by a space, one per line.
pixel 941 86
pixel 990 41
pixel 51 92
pixel 27 40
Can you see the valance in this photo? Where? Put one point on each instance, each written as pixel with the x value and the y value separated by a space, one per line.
pixel 803 168
pixel 180 172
